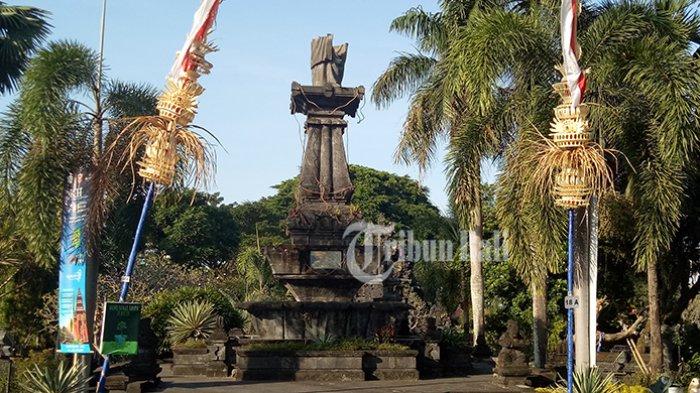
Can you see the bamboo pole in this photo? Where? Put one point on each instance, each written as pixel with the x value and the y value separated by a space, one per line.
pixel 126 278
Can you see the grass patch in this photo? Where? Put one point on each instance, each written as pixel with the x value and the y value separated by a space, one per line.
pixel 191 344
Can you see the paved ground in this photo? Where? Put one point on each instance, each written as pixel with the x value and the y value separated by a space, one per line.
pixel 476 383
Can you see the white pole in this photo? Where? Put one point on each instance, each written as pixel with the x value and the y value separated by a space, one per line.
pixel 102 44
pixel 581 291
pixel 593 279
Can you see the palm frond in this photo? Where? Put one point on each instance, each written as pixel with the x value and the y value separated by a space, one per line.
pixel 14 144
pixel 55 130
pixel 404 75
pixel 423 127
pixel 426 28
pixel 23 28
pixel 127 100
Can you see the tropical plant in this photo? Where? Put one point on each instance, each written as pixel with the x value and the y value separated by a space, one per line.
pixel 23 30
pixel 45 134
pixel 194 320
pixel 589 380
pixel 643 93
pixel 160 308
pixel 436 111
pixel 61 379
pixel 256 274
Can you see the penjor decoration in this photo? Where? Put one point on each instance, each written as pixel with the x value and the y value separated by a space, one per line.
pixel 168 137
pixel 172 150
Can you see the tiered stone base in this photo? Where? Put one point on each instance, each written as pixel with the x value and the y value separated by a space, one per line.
pixel 197 361
pixel 513 375
pixel 261 365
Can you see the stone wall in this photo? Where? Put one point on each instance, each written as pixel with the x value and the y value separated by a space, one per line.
pixel 256 365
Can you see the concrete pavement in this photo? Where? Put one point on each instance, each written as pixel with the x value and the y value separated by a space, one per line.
pixel 476 384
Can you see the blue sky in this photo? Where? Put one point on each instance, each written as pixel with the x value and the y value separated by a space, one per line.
pixel 264 46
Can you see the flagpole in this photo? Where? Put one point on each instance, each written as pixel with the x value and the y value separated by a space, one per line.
pixel 92 277
pixel 570 310
pixel 126 278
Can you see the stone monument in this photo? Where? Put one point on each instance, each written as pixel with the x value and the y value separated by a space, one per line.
pixel 511 366
pixel 313 266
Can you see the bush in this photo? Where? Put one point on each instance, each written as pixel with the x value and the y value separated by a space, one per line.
pixel 633 389
pixel 456 338
pixel 687 371
pixel 195 320
pixel 63 378
pixel 21 366
pixel 161 308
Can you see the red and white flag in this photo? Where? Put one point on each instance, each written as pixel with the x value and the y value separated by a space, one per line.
pixel 569 48
pixel 203 21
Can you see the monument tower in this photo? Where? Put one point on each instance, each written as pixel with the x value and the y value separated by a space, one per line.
pixel 313 266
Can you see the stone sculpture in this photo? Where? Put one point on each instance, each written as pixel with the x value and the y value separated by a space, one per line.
pixel 327 61
pixel 511 365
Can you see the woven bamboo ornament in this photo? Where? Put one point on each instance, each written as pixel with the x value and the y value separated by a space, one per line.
pixel 160 158
pixel 570 130
pixel 168 138
pixel 571 188
pixel 570 126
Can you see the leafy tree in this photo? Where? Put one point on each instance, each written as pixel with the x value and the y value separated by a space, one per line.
pixel 264 221
pixel 385 198
pixel 23 30
pixel 382 197
pixel 193 228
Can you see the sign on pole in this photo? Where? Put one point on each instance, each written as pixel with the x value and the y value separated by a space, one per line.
pixel 120 328
pixel 73 336
pixel 571 302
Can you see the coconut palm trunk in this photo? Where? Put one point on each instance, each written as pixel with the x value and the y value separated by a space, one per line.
pixel 476 278
pixel 539 325
pixel 655 342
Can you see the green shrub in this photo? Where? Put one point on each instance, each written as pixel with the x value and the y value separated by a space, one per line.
pixel 455 338
pixel 191 344
pixel 192 320
pixel 687 371
pixel 633 389
pixel 161 308
pixel 21 366
pixel 59 379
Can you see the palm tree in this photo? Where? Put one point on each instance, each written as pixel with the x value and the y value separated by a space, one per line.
pixel 643 87
pixel 433 114
pixel 23 29
pixel 48 133
pixel 648 110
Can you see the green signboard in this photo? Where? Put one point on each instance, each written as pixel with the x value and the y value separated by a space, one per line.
pixel 120 328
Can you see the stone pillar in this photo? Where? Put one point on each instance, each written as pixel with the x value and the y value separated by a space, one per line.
pixel 322 210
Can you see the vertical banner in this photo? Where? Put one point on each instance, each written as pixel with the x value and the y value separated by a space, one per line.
pixel 73 329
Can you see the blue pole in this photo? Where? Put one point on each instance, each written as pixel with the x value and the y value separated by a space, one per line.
pixel 126 278
pixel 570 311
